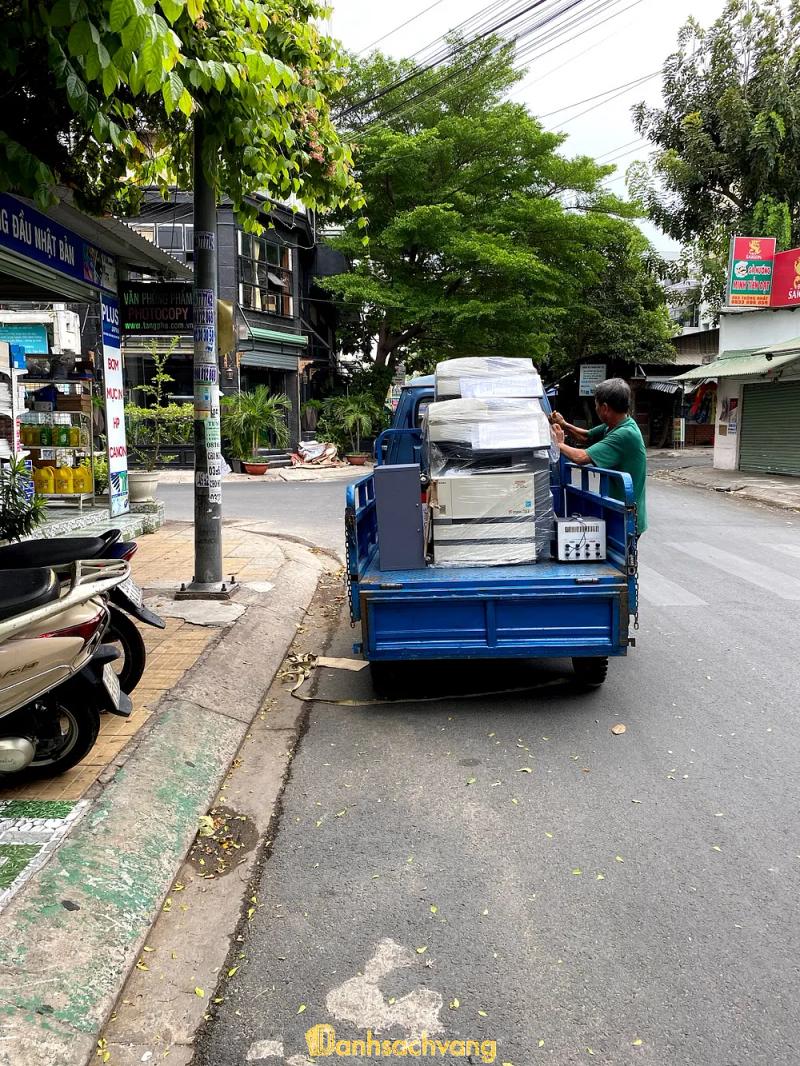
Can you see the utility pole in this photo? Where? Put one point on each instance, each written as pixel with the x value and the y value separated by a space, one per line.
pixel 207 582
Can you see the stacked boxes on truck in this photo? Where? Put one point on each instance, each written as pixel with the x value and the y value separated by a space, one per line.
pixel 487 440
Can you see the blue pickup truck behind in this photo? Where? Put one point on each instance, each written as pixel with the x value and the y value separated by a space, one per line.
pixel 577 610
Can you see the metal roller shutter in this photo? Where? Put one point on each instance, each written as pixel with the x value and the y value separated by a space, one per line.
pixel 770 428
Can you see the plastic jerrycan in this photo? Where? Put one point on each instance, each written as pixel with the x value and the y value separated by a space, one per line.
pixel 44 480
pixel 64 480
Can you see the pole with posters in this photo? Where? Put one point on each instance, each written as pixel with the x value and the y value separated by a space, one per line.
pixel 207 582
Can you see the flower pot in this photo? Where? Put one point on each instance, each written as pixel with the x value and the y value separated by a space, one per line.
pixel 258 469
pixel 357 459
pixel 142 485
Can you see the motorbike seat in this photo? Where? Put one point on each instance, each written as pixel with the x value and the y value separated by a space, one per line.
pixel 51 552
pixel 23 590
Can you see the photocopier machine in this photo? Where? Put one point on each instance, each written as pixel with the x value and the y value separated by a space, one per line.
pixel 488 446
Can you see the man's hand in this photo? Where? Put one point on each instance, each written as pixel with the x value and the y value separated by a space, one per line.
pixel 558 433
pixel 557 419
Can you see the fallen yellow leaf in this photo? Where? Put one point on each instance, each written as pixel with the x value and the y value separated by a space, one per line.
pixel 341 812
pixel 232 971
pixel 619 858
pixel 716 847
pixel 391 1000
pixel 471 780
pixel 541 1043
pixel 549 836
pixel 577 872
pixel 483 1014
pixel 454 1004
pixel 434 909
pixel 301 1008
pixel 199 992
pixel 637 1042
pixel 422 950
pixel 515 802
pixel 600 877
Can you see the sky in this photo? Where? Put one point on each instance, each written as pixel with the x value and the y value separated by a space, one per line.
pixel 633 44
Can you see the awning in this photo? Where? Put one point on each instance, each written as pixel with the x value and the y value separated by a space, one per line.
pixel 271 349
pixel 669 387
pixel 747 362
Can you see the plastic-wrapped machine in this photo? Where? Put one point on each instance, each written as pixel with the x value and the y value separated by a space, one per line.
pixel 491 435
pixel 484 378
pixel 489 462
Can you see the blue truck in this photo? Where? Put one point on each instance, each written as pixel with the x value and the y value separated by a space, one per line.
pixel 583 611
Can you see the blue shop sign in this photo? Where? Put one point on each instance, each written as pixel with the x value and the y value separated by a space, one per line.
pixel 32 336
pixel 31 234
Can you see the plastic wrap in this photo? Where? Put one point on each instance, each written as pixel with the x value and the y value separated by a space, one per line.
pixel 493 434
pixel 491 519
pixel 485 378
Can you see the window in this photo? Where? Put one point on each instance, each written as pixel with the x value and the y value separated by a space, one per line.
pixel 265 276
pixel 170 238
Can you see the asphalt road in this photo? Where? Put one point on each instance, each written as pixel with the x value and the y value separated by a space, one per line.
pixel 312 511
pixel 505 868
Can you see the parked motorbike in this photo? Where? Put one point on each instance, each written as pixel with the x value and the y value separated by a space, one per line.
pixel 56 677
pixel 126 599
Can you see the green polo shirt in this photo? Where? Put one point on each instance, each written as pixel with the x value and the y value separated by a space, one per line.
pixel 623 449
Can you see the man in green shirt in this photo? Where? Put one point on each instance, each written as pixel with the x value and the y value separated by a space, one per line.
pixel 617 444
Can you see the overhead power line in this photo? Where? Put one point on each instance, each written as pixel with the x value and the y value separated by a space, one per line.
pixel 495 27
pixel 627 144
pixel 588 99
pixel 402 26
pixel 602 103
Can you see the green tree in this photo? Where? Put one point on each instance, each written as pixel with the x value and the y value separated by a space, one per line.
pixel 99 95
pixel 727 137
pixel 483 239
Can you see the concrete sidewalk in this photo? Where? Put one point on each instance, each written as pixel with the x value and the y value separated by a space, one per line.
pixel 694 466
pixel 87 859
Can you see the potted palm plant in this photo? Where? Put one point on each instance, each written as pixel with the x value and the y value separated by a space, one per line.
pixel 356 415
pixel 253 418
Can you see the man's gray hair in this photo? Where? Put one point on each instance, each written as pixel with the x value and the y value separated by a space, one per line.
pixel 616 393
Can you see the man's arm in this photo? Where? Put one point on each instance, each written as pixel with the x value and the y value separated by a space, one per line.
pixel 580 435
pixel 574 455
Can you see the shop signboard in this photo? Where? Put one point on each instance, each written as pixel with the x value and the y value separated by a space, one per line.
pixel 750 269
pixel 115 408
pixel 591 376
pixel 32 235
pixel 156 309
pixel 786 279
pixel 32 336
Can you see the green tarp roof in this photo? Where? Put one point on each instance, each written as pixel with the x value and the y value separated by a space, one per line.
pixel 746 362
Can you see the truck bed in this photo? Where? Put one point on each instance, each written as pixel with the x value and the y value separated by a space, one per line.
pixel 546 609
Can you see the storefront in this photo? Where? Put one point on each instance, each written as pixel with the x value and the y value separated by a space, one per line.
pixel 66 256
pixel 757 407
pixel 272 358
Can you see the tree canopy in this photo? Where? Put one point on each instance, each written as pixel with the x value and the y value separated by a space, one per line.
pixel 99 96
pixel 728 135
pixel 483 239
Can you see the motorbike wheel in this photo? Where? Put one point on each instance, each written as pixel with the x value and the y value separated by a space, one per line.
pixel 67 723
pixel 124 635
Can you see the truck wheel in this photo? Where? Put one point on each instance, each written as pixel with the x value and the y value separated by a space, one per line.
pixel 591 671
pixel 384 679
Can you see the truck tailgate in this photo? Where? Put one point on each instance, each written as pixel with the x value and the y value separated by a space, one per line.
pixel 548 609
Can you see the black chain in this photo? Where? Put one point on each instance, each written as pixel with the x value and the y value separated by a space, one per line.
pixel 349 532
pixel 633 567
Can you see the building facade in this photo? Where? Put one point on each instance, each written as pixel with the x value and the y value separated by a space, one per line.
pixel 276 327
pixel 757 379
